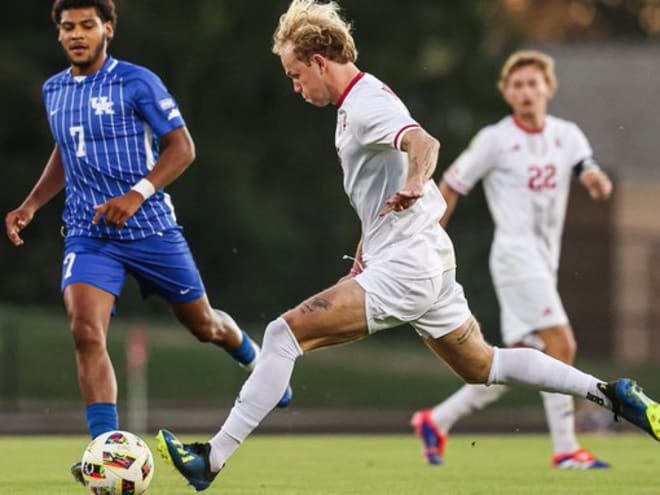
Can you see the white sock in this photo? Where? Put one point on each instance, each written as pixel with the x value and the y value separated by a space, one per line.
pixel 560 413
pixel 538 370
pixel 222 447
pixel 260 393
pixel 464 401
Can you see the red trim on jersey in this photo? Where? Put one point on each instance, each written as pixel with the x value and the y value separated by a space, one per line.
pixel 522 127
pixel 348 88
pixel 398 134
pixel 451 177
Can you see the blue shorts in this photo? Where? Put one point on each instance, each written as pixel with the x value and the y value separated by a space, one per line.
pixel 162 264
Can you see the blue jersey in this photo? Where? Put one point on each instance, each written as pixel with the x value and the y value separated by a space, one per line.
pixel 107 127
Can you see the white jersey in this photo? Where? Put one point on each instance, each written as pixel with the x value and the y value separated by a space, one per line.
pixel 526 178
pixel 371 123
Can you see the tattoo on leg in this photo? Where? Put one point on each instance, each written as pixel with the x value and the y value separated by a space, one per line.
pixel 314 304
pixel 469 331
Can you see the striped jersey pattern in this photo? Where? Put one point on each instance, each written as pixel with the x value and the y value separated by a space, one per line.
pixel 107 127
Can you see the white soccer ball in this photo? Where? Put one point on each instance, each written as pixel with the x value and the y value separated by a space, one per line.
pixel 117 463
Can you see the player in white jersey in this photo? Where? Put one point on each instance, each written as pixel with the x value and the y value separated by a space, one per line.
pixel 108 118
pixel 407 262
pixel 526 162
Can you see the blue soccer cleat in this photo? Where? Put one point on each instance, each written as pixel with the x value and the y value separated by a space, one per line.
pixel 286 398
pixel 630 402
pixel 433 442
pixel 190 459
pixel 581 459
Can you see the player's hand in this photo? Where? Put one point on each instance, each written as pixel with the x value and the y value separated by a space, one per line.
pixel 404 199
pixel 598 185
pixel 119 210
pixel 15 221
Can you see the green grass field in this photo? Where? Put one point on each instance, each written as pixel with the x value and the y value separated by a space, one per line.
pixel 362 465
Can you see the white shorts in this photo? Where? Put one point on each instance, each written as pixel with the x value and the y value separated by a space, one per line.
pixel 433 306
pixel 528 306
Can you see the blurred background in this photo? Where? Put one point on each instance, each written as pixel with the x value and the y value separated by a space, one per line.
pixel 264 211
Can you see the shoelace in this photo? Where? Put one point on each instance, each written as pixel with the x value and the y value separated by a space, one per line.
pixel 195 447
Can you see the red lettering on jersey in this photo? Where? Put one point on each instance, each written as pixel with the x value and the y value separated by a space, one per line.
pixel 387 89
pixel 542 178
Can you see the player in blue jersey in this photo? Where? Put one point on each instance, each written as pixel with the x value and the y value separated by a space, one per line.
pixel 108 119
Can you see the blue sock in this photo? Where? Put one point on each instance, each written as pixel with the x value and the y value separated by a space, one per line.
pixel 102 418
pixel 246 353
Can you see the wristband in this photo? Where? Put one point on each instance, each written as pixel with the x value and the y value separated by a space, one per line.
pixel 145 188
pixel 586 165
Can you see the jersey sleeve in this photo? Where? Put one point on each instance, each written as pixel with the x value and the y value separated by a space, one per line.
pixel 473 164
pixel 156 105
pixel 383 121
pixel 579 147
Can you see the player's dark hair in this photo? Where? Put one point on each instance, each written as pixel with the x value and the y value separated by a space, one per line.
pixel 105 8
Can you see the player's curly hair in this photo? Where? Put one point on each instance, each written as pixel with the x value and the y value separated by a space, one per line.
pixel 523 58
pixel 315 28
pixel 105 8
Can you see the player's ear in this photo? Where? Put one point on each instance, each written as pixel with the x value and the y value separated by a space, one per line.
pixel 109 31
pixel 321 61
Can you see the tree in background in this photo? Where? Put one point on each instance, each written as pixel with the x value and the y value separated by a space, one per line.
pixel 265 250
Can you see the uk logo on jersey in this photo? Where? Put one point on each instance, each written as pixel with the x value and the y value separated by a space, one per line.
pixel 166 104
pixel 102 105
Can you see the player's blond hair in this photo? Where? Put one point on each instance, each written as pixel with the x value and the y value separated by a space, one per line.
pixel 315 28
pixel 523 58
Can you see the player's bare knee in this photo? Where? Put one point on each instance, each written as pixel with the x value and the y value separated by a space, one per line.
pixel 86 334
pixel 202 325
pixel 568 351
pixel 205 330
pixel 563 348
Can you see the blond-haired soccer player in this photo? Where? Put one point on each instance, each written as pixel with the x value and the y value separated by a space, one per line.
pixel 408 260
pixel 526 161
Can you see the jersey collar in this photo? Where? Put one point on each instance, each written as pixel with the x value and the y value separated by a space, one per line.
pixel 108 66
pixel 526 129
pixel 348 88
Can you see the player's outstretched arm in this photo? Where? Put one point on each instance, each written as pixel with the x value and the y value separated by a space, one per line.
pixel 422 150
pixel 49 184
pixel 178 154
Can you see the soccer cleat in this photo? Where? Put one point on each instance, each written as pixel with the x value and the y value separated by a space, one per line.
pixel 433 442
pixel 190 459
pixel 76 471
pixel 580 459
pixel 286 398
pixel 630 402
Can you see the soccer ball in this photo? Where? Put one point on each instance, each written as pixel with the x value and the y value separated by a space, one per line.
pixel 117 463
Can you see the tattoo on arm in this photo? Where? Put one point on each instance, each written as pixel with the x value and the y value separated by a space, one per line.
pixel 428 156
pixel 314 304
